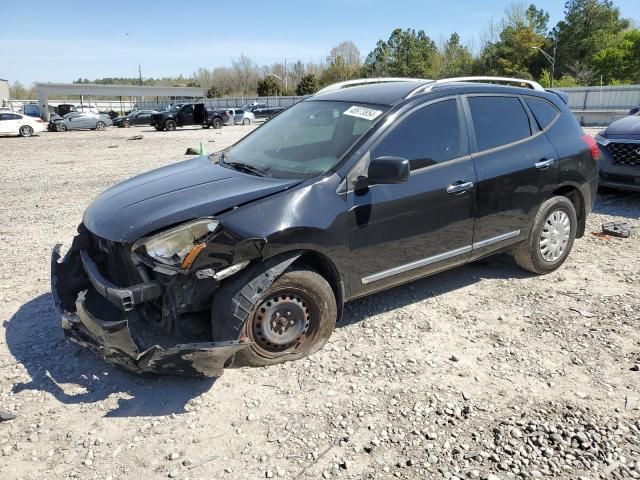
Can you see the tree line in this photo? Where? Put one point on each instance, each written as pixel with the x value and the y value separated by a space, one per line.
pixel 592 43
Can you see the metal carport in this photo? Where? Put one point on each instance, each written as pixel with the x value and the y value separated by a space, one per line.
pixel 45 89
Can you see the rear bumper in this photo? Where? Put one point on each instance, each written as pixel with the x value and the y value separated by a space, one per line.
pixel 103 327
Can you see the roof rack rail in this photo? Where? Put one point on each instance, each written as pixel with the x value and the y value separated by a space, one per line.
pixel 518 82
pixel 366 81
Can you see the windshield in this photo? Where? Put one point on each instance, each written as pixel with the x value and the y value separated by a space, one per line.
pixel 175 108
pixel 305 140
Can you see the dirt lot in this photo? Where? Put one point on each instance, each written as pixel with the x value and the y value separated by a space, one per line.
pixel 481 372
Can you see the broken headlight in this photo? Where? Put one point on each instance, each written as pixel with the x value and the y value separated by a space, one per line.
pixel 179 246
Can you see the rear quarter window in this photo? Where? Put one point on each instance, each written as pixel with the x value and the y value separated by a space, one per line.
pixel 543 111
pixel 498 121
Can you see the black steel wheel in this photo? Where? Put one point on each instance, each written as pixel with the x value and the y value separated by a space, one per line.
pixel 217 123
pixel 170 125
pixel 292 319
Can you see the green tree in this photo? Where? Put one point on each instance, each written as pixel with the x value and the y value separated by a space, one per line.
pixel 268 86
pixel 407 53
pixel 214 92
pixel 620 63
pixel 589 26
pixel 455 58
pixel 307 85
pixel 343 63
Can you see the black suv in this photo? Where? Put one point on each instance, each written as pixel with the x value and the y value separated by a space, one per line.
pixel 248 256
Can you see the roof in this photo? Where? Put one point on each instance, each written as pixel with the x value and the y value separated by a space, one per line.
pixel 387 94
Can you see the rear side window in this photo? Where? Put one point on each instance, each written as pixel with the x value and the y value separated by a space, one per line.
pixel 498 121
pixel 428 136
pixel 544 111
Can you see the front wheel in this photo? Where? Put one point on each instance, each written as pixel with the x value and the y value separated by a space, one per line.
pixel 292 319
pixel 126 124
pixel 25 131
pixel 246 121
pixel 101 126
pixel 170 125
pixel 551 237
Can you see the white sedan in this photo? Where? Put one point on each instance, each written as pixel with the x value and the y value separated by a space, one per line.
pixel 17 124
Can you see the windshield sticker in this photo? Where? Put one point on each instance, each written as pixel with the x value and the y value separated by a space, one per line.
pixel 362 112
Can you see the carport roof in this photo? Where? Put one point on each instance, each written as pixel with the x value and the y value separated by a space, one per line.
pixel 118 90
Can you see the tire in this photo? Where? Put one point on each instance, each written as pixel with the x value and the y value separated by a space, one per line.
pixel 246 121
pixel 216 123
pixel 25 131
pixel 301 299
pixel 126 124
pixel 170 125
pixel 551 237
pixel 62 128
pixel 101 126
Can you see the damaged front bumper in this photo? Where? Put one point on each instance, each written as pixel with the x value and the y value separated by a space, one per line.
pixel 106 330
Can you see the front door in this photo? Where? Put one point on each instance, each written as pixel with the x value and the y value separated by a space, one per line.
pixel 185 116
pixel 516 166
pixel 404 231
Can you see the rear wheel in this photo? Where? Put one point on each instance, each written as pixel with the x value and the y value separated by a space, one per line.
pixel 246 121
pixel 25 131
pixel 292 319
pixel 216 123
pixel 170 125
pixel 551 238
pixel 101 126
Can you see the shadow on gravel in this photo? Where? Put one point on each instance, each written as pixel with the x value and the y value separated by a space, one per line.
pixel 72 376
pixel 618 203
pixel 496 267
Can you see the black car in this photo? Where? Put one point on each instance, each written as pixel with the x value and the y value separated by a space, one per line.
pixel 262 110
pixel 138 117
pixel 181 115
pixel 248 255
pixel 620 160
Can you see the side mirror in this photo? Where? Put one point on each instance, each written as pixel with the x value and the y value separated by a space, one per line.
pixel 388 170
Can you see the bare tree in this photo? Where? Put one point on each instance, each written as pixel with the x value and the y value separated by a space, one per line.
pixel 246 73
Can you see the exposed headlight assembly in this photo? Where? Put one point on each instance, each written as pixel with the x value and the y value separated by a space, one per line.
pixel 179 246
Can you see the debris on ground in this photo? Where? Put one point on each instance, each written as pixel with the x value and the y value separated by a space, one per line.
pixel 618 229
pixel 191 151
pixel 136 137
pixel 6 416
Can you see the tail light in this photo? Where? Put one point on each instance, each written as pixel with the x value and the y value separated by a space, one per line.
pixel 593 146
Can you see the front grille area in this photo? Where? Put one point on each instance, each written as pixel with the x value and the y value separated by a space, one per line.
pixel 625 154
pixel 114 260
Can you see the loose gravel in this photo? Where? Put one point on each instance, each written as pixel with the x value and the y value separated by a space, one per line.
pixel 480 372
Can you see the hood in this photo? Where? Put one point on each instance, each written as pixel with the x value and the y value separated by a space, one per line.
pixel 627 127
pixel 171 195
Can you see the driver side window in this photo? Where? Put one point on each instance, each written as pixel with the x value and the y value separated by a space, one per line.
pixel 426 137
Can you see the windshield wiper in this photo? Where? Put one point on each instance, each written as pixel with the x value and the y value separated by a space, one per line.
pixel 245 167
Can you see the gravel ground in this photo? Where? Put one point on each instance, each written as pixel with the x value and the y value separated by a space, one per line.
pixel 480 372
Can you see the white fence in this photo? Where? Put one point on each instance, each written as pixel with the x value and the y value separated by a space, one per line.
pixel 592 105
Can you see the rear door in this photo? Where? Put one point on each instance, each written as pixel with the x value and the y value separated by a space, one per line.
pixel 516 168
pixel 404 231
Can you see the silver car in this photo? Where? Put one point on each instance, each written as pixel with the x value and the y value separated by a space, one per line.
pixel 81 121
pixel 241 117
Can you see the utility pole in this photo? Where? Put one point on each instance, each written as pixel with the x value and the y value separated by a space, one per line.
pixel 139 75
pixel 551 59
pixel 285 76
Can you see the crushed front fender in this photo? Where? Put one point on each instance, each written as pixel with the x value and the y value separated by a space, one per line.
pixel 111 338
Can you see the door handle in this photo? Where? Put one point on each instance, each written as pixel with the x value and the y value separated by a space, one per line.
pixel 544 164
pixel 459 187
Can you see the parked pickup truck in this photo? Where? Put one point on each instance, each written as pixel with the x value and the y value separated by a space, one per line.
pixel 183 114
pixel 262 110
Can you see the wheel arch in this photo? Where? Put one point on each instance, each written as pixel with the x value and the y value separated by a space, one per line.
pixel 325 267
pixel 573 193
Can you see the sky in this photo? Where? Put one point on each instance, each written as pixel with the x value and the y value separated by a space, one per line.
pixel 61 41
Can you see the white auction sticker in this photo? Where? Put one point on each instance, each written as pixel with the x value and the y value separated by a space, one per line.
pixel 363 112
